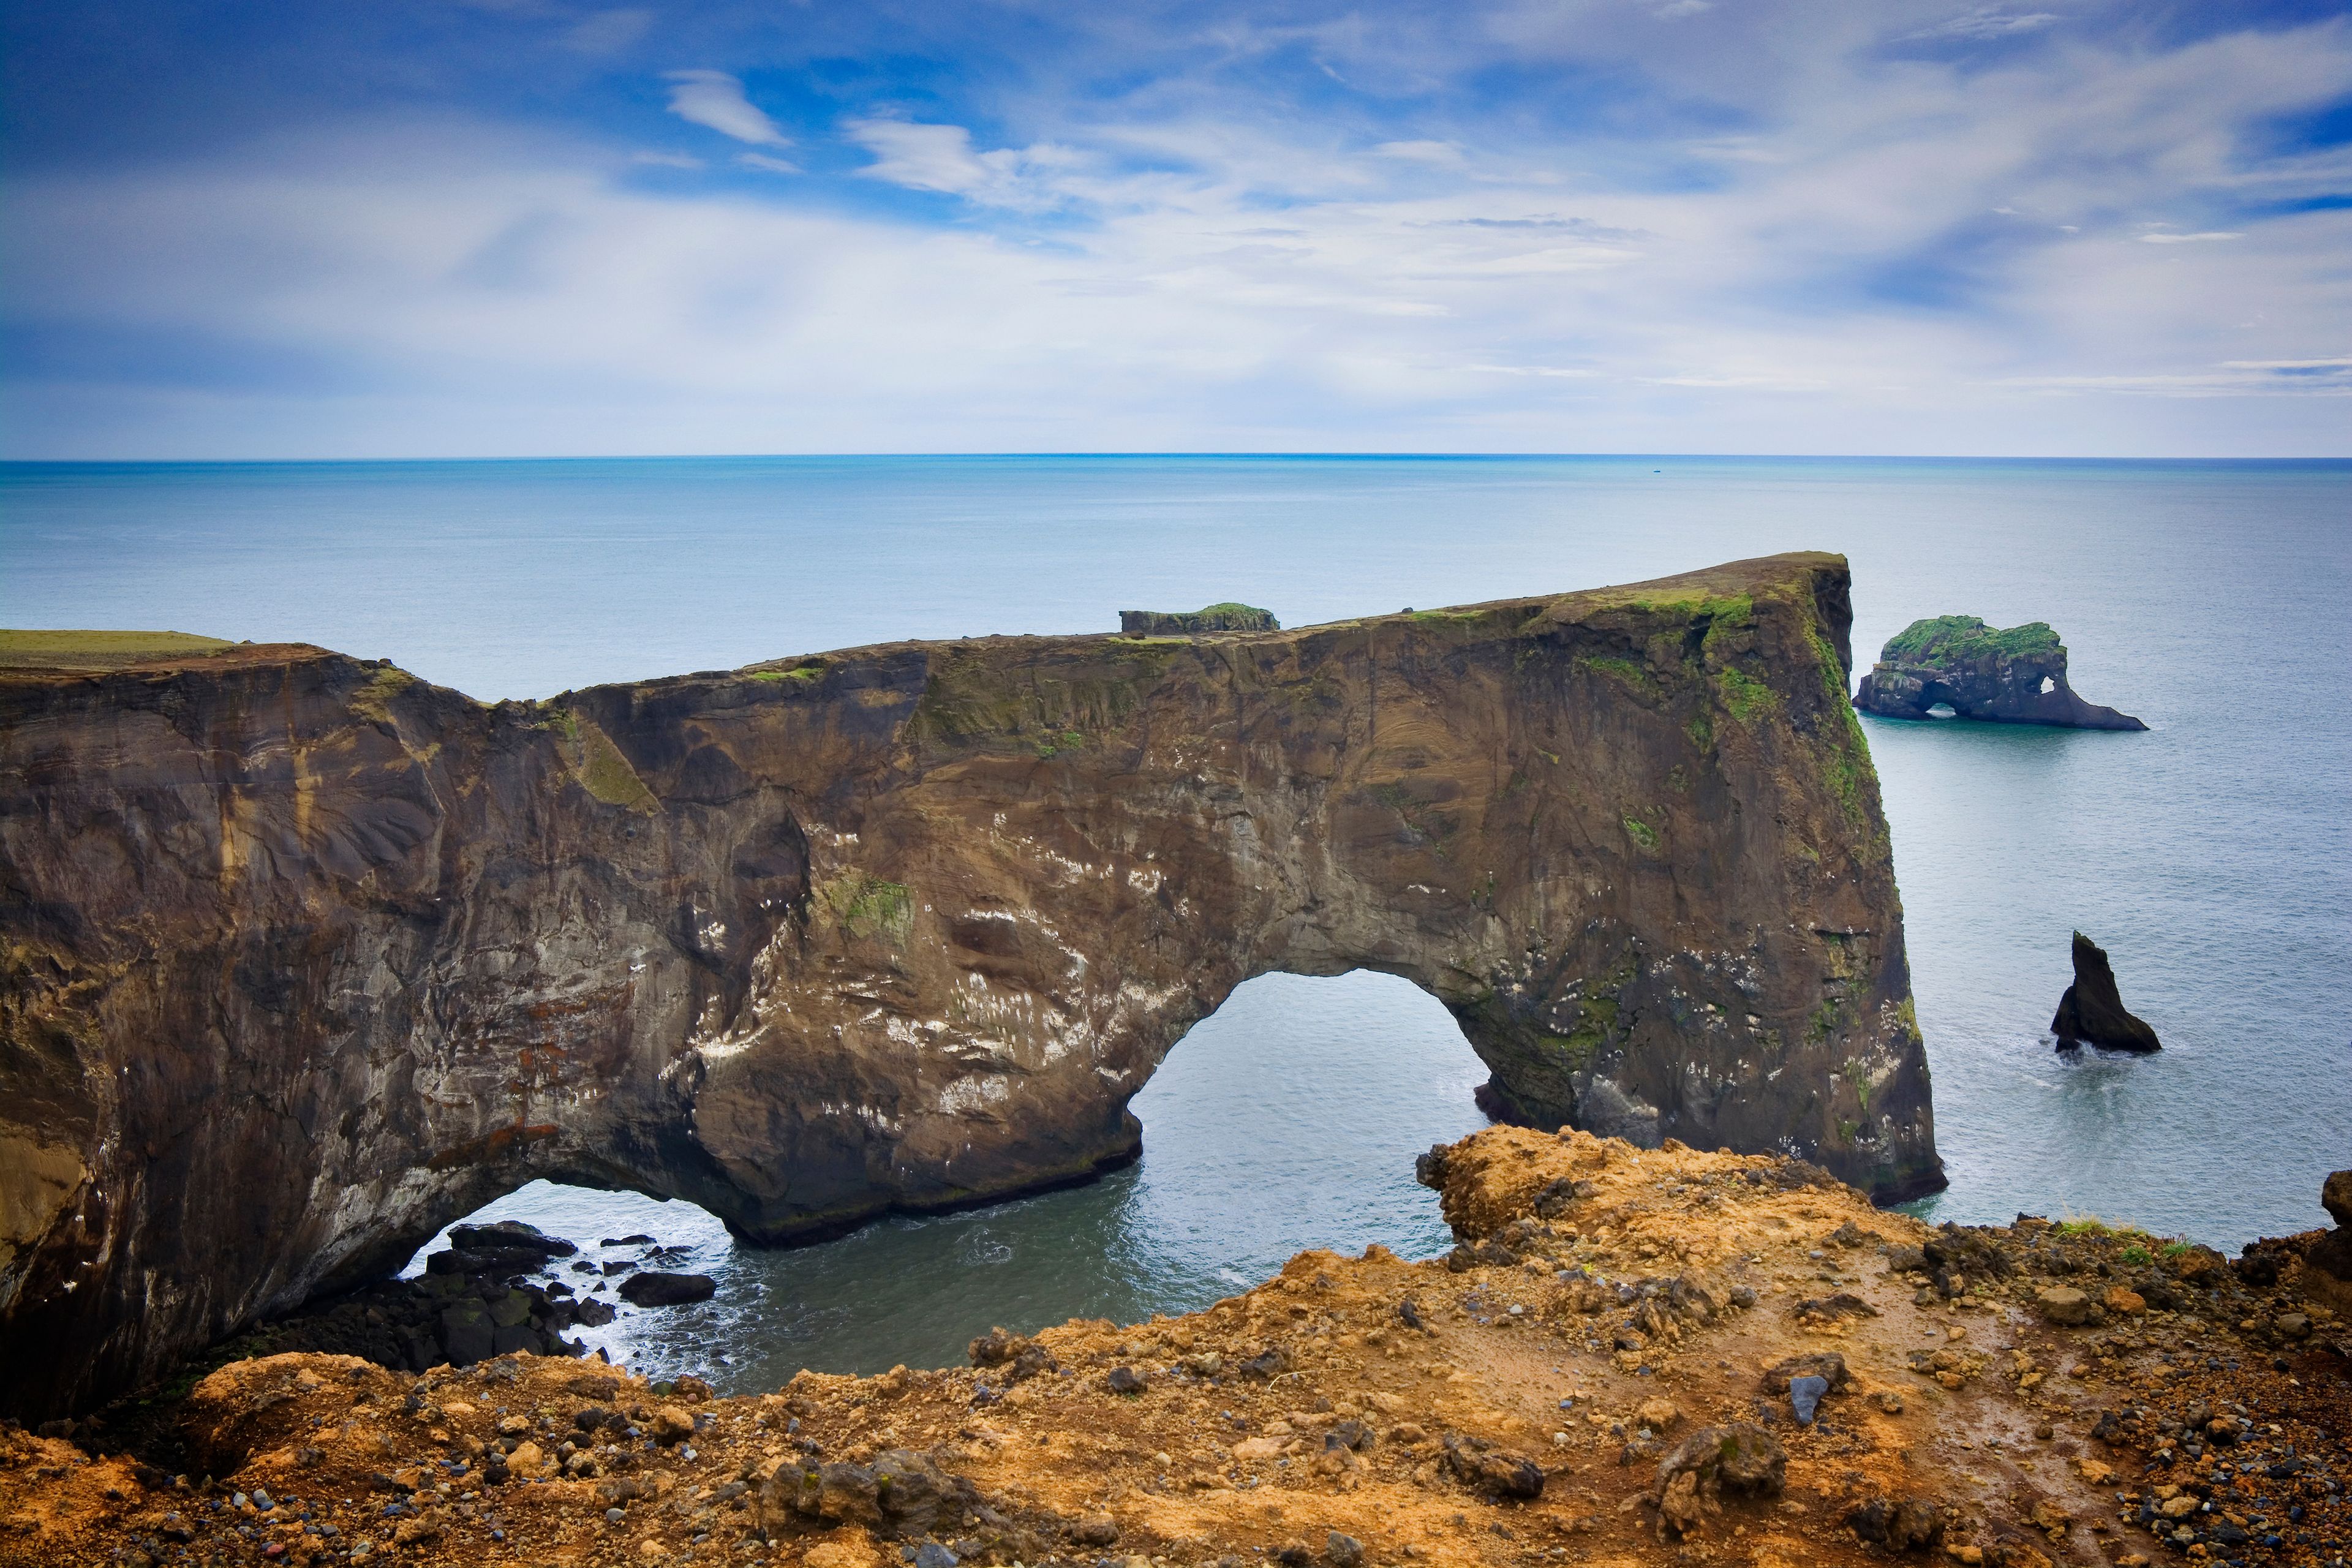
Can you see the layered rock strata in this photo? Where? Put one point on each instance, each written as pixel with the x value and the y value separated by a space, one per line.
pixel 305 957
pixel 2016 675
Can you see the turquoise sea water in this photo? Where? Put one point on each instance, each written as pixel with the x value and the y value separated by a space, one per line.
pixel 2211 855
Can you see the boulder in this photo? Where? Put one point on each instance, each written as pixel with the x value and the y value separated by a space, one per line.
pixel 1738 1458
pixel 2063 1305
pixel 468 1335
pixel 2335 1197
pixel 652 1288
pixel 1482 1467
pixel 2092 1010
pixel 2016 675
pixel 510 1234
pixel 1225 617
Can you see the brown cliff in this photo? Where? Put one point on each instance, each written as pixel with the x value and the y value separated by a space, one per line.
pixel 305 957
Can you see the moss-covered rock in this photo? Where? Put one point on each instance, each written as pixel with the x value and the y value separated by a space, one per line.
pixel 1228 616
pixel 2015 674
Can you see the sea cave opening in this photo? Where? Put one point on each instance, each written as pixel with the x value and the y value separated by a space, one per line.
pixel 1288 1119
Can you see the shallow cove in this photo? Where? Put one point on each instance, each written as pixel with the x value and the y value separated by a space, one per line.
pixel 1250 1153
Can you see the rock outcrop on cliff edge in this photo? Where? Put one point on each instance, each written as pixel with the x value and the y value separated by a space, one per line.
pixel 305 957
pixel 2016 675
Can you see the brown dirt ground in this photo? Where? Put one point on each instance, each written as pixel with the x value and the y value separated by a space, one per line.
pixel 1536 1355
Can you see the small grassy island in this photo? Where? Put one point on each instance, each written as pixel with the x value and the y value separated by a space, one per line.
pixel 2013 675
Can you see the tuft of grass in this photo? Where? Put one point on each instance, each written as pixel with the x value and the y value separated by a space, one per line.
pixel 1641 832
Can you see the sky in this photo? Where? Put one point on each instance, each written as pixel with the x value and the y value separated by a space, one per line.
pixel 516 228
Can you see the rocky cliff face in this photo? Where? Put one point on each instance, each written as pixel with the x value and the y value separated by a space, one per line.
pixel 305 957
pixel 2016 675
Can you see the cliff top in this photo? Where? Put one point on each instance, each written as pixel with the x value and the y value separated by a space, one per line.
pixel 24 652
pixel 23 648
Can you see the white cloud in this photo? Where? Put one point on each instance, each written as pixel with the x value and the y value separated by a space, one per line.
pixel 667 160
pixel 715 99
pixel 1990 22
pixel 767 162
pixel 2163 237
pixel 1441 152
pixel 926 157
pixel 1197 269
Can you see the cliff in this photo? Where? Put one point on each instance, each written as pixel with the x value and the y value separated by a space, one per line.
pixel 305 957
pixel 2016 675
pixel 1605 1372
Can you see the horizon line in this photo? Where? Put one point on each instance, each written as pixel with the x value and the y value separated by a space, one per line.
pixel 1224 455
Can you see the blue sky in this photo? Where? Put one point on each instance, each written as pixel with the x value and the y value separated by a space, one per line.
pixel 461 227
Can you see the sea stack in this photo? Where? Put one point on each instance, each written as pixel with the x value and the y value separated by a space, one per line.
pixel 2092 1011
pixel 2012 675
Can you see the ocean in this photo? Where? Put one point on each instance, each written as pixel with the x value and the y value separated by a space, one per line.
pixel 2211 855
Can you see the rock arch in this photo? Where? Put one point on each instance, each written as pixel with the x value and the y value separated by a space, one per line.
pixel 309 957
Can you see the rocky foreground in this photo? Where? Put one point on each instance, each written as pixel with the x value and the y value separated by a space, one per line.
pixel 1634 1356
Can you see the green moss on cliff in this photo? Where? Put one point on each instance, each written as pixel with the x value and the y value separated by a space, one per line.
pixel 868 906
pixel 374 700
pixel 1642 833
pixel 606 774
pixel 1623 671
pixel 1966 639
pixel 807 670
pixel 1749 700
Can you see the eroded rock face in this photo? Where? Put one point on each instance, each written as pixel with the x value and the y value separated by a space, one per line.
pixel 305 957
pixel 2016 675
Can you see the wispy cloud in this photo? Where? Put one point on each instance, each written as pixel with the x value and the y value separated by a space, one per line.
pixel 1447 154
pixel 715 99
pixel 1989 22
pixel 926 157
pixel 2162 237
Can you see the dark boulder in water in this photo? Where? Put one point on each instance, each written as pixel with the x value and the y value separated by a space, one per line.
pixel 655 1289
pixel 508 1234
pixel 2015 674
pixel 2092 1011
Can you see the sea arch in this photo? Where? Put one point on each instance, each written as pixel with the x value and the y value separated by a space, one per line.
pixel 316 957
